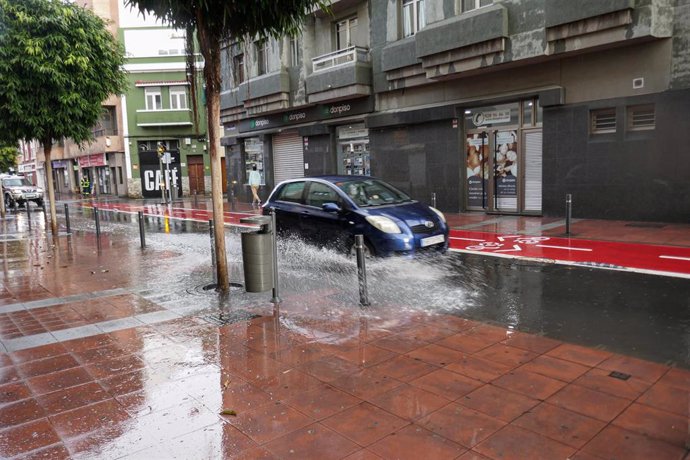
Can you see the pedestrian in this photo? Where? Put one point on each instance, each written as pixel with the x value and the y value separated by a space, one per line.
pixel 254 183
pixel 85 185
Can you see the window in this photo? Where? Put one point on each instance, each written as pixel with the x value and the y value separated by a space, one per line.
pixel 262 56
pixel 295 51
pixel 292 192
pixel 178 97
pixel 412 17
pixel 153 98
pixel 603 121
pixel 319 194
pixel 468 5
pixel 641 118
pixel 107 125
pixel 344 32
pixel 238 69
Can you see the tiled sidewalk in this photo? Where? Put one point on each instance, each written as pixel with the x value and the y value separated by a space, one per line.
pixel 98 368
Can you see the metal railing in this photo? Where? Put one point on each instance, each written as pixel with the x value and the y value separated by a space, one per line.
pixel 339 58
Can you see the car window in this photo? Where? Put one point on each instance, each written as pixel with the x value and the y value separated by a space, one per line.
pixel 321 193
pixel 292 192
pixel 371 192
pixel 15 182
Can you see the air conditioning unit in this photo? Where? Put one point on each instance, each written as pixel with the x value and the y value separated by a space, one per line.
pixel 187 141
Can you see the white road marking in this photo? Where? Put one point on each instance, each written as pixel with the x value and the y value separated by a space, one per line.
pixel 502 238
pixel 563 247
pixel 675 258
pixel 464 239
pixel 515 248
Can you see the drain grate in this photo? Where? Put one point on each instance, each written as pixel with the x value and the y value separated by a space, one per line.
pixel 645 225
pixel 222 319
pixel 619 375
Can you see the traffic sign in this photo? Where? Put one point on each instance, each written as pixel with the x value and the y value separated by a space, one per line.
pixel 166 158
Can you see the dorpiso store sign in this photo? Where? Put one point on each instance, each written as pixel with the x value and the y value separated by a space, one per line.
pixel 95 159
pixel 308 114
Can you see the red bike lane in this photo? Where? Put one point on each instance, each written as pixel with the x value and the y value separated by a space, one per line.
pixel 644 258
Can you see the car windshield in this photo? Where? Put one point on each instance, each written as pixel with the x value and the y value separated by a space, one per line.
pixel 372 192
pixel 15 182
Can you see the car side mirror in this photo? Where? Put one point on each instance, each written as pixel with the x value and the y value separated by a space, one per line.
pixel 331 207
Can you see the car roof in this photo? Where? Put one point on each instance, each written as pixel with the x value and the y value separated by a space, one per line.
pixel 332 178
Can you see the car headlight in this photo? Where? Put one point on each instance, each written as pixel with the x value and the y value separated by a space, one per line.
pixel 439 214
pixel 16 192
pixel 384 224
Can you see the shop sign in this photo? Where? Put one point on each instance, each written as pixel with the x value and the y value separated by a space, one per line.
pixel 352 133
pixel 309 114
pixel 491 117
pixel 95 159
pixel 60 164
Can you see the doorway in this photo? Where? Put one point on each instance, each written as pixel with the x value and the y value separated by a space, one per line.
pixel 195 164
pixel 503 158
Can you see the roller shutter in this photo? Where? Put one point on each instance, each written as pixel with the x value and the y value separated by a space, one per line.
pixel 533 167
pixel 288 156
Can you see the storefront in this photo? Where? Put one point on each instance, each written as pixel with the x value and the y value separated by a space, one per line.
pixel 503 158
pixel 93 167
pixel 61 176
pixel 154 172
pixel 310 141
pixel 353 150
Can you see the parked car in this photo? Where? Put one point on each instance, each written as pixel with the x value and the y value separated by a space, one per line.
pixel 19 190
pixel 330 210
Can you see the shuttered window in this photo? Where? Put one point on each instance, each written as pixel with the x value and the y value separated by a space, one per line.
pixel 641 117
pixel 603 121
pixel 533 171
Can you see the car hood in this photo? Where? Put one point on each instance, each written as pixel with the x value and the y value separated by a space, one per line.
pixel 413 213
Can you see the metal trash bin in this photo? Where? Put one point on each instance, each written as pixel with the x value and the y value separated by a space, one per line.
pixel 257 255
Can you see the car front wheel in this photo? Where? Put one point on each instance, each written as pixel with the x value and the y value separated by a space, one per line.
pixel 368 250
pixel 39 202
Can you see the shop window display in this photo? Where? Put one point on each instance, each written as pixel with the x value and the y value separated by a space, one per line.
pixel 254 155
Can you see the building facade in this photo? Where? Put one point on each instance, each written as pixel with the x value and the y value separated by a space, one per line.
pixel 501 106
pixel 158 112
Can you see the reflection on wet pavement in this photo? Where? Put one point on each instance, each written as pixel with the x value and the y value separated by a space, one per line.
pixel 115 352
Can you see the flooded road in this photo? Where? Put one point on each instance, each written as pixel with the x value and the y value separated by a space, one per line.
pixel 646 316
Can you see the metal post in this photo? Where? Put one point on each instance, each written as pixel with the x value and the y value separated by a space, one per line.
pixel 361 271
pixel 98 224
pixel 43 205
pixel 195 197
pixel 568 212
pixel 28 212
pixel 433 200
pixel 213 253
pixel 162 180
pixel 142 236
pixel 274 243
pixel 232 195
pixel 168 180
pixel 69 230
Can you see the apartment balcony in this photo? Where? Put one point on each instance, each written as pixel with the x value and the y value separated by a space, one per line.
pixel 264 94
pixel 164 118
pixel 465 42
pixel 580 26
pixel 341 74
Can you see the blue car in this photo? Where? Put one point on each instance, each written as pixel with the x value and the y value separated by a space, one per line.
pixel 330 210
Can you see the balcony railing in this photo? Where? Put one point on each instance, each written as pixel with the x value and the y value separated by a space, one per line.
pixel 339 58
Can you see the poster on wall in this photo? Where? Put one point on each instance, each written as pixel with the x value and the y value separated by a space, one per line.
pixel 506 163
pixel 477 172
pixel 151 175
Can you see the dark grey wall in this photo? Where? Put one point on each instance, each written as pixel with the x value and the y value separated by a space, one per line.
pixel 320 155
pixel 419 159
pixel 626 175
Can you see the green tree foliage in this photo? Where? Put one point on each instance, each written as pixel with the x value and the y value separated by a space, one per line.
pixel 215 21
pixel 8 157
pixel 58 63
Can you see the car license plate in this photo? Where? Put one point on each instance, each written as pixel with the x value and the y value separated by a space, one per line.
pixel 432 240
pixel 30 196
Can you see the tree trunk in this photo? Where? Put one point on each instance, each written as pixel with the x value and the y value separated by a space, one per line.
pixel 212 79
pixel 47 148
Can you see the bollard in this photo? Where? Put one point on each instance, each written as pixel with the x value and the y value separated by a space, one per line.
pixel 67 218
pixel 142 236
pixel 28 213
pixel 274 242
pixel 98 224
pixel 361 271
pixel 195 198
pixel 43 205
pixel 568 212
pixel 213 252
pixel 433 199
